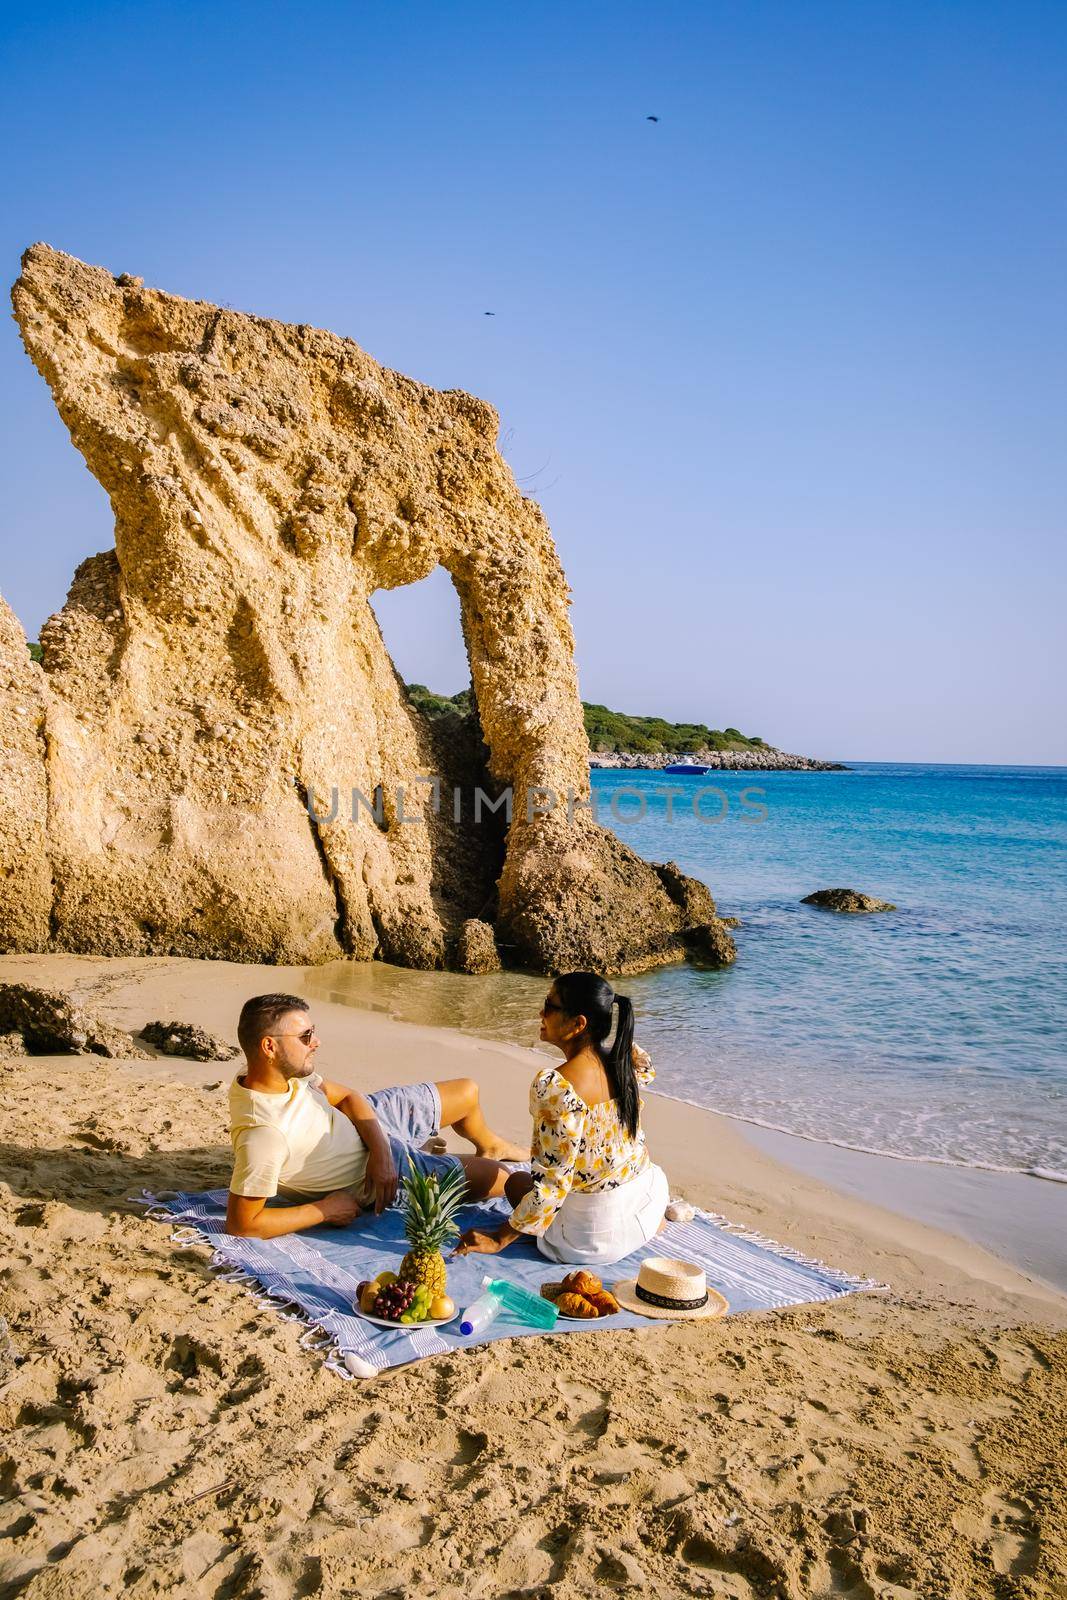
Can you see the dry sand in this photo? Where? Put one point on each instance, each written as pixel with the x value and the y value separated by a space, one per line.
pixel 163 1436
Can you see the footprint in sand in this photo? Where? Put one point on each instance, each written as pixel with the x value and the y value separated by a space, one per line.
pixel 586 1409
pixel 1011 1536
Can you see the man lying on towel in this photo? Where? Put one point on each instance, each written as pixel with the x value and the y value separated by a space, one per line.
pixel 336 1151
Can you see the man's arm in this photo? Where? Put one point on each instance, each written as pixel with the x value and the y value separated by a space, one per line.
pixel 258 1158
pixel 249 1216
pixel 381 1168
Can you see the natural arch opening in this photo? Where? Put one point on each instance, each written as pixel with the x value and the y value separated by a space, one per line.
pixel 420 624
pixel 421 629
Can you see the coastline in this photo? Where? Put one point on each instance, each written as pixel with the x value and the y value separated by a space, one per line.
pixel 767 759
pixel 1018 1217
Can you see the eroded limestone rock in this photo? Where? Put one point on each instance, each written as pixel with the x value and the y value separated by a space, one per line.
pixel 221 672
pixel 189 1040
pixel 712 944
pixel 25 873
pixel 50 1023
pixel 476 950
pixel 849 900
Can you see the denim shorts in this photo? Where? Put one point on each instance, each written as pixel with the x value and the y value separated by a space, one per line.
pixel 410 1113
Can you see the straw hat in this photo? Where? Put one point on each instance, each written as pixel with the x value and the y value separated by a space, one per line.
pixel 672 1289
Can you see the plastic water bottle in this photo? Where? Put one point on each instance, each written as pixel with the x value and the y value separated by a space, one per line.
pixel 523 1304
pixel 480 1314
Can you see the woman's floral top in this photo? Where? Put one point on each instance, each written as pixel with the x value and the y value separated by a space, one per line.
pixel 576 1146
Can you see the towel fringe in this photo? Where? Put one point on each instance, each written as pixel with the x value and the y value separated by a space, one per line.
pixel 187 1234
pixel 335 1364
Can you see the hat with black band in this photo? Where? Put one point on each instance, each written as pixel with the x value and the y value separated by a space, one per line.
pixel 669 1289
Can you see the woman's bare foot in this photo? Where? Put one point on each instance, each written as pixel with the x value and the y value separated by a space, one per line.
pixel 499 1149
pixel 461 1109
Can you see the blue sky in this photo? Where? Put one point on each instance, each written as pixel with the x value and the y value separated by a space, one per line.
pixel 785 369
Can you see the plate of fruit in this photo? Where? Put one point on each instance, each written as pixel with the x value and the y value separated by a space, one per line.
pixel 416 1294
pixel 391 1301
pixel 581 1297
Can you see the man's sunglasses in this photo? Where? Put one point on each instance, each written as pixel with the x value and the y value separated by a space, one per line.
pixel 305 1037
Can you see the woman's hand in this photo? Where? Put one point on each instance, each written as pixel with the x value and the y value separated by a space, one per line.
pixel 480 1242
pixel 644 1071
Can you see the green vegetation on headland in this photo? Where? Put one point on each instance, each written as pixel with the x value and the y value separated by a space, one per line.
pixel 439 705
pixel 35 650
pixel 615 730
pixel 609 730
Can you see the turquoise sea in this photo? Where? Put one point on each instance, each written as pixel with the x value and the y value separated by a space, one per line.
pixel 936 1031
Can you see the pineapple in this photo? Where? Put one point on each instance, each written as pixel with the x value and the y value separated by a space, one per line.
pixel 430 1206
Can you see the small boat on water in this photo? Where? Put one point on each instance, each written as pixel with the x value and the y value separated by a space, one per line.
pixel 687 767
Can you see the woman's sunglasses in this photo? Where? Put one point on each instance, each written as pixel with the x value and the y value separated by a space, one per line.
pixel 551 1005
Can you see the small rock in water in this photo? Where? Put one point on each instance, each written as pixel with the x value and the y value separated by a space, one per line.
pixel 712 944
pixel 845 900
pixel 476 950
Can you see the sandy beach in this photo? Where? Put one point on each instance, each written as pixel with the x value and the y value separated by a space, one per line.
pixel 164 1436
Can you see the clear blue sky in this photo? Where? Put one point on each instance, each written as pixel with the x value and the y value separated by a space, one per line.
pixel 785 369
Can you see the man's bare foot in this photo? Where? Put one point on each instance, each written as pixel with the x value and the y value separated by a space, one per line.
pixel 504 1150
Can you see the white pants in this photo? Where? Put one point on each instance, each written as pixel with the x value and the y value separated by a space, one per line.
pixel 607 1225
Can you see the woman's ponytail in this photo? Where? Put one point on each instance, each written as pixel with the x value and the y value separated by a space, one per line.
pixel 620 1068
pixel 586 994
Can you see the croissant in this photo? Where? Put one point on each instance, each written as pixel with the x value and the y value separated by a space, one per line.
pixel 576 1305
pixel 604 1301
pixel 583 1282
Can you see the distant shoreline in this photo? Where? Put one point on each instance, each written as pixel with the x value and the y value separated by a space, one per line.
pixel 764 759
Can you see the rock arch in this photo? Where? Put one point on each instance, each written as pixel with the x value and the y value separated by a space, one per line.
pixel 224 661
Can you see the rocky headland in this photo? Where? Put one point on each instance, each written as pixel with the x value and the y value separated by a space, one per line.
pixel 765 759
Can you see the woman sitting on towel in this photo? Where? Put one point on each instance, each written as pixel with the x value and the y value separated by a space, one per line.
pixel 592 1194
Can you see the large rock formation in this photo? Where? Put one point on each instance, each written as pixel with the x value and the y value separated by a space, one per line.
pixel 220 673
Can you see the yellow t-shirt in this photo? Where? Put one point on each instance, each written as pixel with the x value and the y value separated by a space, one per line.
pixel 292 1143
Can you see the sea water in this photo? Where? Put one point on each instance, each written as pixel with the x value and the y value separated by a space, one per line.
pixel 933 1032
